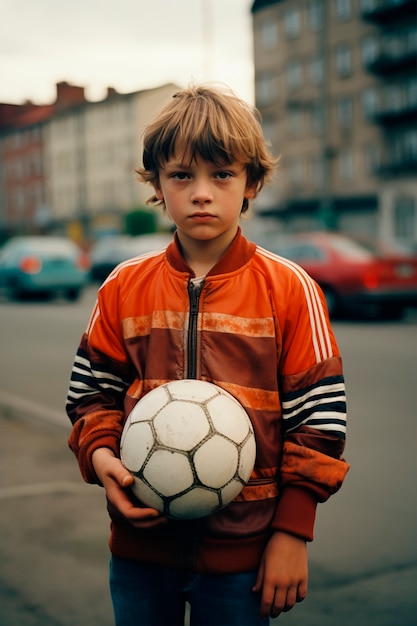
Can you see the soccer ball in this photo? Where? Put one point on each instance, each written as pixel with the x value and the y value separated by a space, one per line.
pixel 190 446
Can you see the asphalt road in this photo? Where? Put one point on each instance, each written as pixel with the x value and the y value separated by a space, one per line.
pixel 54 529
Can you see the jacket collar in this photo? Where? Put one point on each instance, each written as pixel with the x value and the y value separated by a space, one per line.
pixel 238 254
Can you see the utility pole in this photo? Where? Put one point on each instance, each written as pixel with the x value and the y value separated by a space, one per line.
pixel 326 215
pixel 207 38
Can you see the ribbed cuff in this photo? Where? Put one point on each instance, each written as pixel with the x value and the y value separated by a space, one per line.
pixel 296 513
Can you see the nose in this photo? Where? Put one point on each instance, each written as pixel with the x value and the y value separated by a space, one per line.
pixel 201 191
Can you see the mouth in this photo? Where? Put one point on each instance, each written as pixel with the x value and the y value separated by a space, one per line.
pixel 201 215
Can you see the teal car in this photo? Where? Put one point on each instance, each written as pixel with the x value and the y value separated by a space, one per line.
pixel 42 266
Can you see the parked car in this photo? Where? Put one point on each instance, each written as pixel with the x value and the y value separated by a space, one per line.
pixel 356 276
pixel 108 252
pixel 42 266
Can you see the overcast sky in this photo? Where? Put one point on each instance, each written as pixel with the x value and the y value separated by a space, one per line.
pixel 126 44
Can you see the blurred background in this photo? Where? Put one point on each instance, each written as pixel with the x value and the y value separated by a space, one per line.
pixel 336 84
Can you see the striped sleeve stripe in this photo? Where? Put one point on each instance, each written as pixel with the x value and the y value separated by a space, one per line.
pixel 87 380
pixel 82 364
pixel 323 389
pixel 73 396
pixel 322 406
pixel 331 416
pixel 331 424
pixel 328 412
pixel 315 403
pixel 319 329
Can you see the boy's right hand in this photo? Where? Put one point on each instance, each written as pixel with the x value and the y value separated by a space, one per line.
pixel 117 480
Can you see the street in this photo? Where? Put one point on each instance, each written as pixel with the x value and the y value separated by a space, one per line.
pixel 53 528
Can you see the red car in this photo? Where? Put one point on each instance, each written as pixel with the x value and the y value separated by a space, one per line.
pixel 355 275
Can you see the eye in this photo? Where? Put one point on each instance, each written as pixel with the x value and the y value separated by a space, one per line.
pixel 180 175
pixel 223 175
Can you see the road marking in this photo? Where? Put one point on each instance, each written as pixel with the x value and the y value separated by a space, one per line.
pixel 32 409
pixel 39 489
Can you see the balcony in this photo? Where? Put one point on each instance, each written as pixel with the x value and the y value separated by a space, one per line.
pixel 389 64
pixel 395 52
pixel 384 12
pixel 391 116
pixel 395 167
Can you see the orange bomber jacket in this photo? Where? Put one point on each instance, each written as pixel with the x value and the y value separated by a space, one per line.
pixel 259 328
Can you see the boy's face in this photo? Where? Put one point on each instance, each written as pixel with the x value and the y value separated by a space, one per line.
pixel 202 198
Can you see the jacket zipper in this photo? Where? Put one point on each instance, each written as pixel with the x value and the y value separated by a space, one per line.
pixel 194 292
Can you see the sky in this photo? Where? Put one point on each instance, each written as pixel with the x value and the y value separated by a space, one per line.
pixel 126 44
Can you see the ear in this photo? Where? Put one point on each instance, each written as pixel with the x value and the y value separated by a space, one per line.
pixel 250 192
pixel 158 192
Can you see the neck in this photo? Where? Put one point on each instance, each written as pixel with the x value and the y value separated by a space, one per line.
pixel 202 255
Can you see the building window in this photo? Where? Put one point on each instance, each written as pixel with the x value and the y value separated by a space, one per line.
pixel 315 15
pixel 346 166
pixel 296 122
pixel 294 72
pixel 269 35
pixel 36 164
pixel 393 98
pixel 370 102
pixel 268 129
pixel 316 70
pixel 343 9
pixel 317 119
pixel 372 158
pixel 343 60
pixel 344 112
pixel 411 144
pixel 369 50
pixel 411 38
pixel 265 89
pixel 395 45
pixel 317 173
pixel 369 5
pixel 411 92
pixel 296 173
pixel 292 22
pixel 19 169
pixel 405 218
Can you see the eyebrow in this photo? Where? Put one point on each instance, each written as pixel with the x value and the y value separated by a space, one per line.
pixel 177 164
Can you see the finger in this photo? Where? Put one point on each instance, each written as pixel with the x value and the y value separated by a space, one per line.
pixel 127 480
pixel 138 514
pixel 259 579
pixel 291 599
pixel 268 602
pixel 277 604
pixel 120 474
pixel 150 523
pixel 302 591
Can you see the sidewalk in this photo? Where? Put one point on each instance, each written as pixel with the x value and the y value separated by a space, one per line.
pixel 54 556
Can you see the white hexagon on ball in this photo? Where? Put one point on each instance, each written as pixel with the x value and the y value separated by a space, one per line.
pixel 181 425
pixel 216 462
pixel 226 414
pixel 168 472
pixel 136 447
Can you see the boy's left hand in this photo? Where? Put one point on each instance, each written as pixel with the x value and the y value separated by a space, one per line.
pixel 283 574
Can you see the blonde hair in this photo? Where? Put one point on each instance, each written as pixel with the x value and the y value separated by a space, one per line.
pixel 213 124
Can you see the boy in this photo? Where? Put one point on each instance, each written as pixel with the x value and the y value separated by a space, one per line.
pixel 263 334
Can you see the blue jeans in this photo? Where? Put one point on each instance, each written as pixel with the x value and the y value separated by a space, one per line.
pixel 148 595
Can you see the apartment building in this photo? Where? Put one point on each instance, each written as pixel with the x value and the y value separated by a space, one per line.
pixel 336 84
pixel 92 151
pixel 84 156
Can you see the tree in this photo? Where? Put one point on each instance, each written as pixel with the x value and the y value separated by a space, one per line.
pixel 140 222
